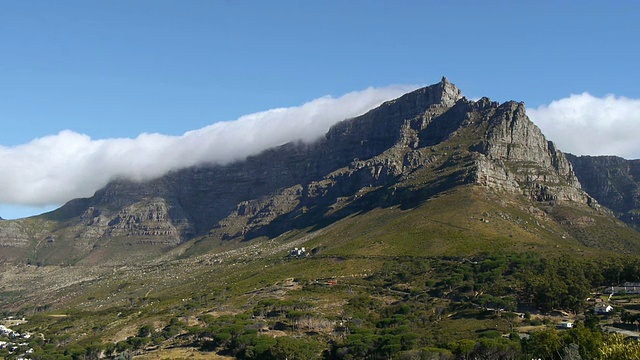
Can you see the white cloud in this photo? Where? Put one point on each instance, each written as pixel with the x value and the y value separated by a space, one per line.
pixel 57 168
pixel 587 125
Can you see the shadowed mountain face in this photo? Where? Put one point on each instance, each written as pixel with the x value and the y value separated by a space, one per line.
pixel 400 154
pixel 613 181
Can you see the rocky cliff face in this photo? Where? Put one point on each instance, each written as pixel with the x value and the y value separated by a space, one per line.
pixel 402 152
pixel 516 156
pixel 199 198
pixel 613 181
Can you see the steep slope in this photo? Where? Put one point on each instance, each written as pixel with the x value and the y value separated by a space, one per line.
pixel 613 181
pixel 397 156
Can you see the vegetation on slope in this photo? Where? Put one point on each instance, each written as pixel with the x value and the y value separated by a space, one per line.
pixel 456 276
pixel 335 306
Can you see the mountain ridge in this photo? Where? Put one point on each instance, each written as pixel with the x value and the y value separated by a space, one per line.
pixel 401 153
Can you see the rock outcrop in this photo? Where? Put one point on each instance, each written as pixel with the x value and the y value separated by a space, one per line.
pixel 517 157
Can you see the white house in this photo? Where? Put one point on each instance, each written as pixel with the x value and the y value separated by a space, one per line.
pixel 298 252
pixel 5 330
pixel 603 308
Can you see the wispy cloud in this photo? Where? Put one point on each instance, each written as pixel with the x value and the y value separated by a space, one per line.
pixel 588 125
pixel 57 168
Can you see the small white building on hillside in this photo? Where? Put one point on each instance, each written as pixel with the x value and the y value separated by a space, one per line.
pixel 602 308
pixel 565 324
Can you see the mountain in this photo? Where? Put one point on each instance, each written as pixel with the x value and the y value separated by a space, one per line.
pixel 401 233
pixel 614 181
pixel 430 160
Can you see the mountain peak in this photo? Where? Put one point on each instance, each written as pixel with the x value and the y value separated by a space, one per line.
pixel 450 94
pixel 443 93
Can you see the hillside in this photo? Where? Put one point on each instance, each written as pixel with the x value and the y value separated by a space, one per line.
pixel 385 282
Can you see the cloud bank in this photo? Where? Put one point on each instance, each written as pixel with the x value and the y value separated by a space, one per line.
pixel 55 169
pixel 588 125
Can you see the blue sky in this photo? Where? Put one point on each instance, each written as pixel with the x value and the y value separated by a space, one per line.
pixel 108 70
